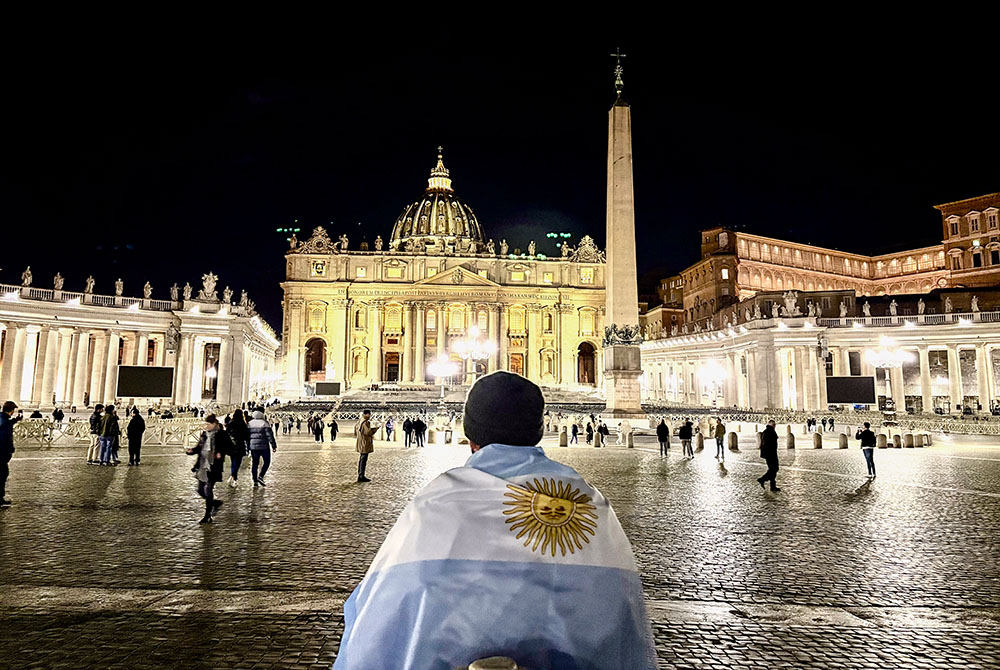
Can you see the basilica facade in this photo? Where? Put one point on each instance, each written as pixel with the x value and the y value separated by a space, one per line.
pixel 385 314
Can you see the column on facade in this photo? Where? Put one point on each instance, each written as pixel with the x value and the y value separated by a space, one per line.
pixel 37 365
pixel 504 361
pixel 898 396
pixel 845 362
pixel 8 379
pixel 111 369
pixel 567 352
pixel 821 381
pixel 224 381
pixel 441 321
pixel 80 371
pixel 492 326
pixel 28 362
pixel 406 365
pixel 421 339
pixel 50 368
pixel 954 376
pixel 159 343
pixel 375 333
pixel 64 371
pixel 239 388
pixel 128 348
pixel 532 361
pixel 778 392
pixel 340 338
pixel 142 348
pixel 294 345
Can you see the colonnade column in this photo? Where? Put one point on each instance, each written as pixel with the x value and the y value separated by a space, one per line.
pixel 441 321
pixel 421 335
pixel 196 373
pixel 111 368
pixel 983 377
pixel 97 370
pixel 926 394
pixel 64 369
pixel 142 349
pixel 50 369
pixel 898 397
pixel 845 362
pixel 80 367
pixel 954 377
pixel 224 382
pixel 406 365
pixel 7 377
pixel 182 371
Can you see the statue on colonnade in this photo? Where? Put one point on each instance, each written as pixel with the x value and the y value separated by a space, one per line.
pixel 119 286
pixel 26 277
pixel 88 286
pixel 147 291
pixel 187 290
pixel 58 281
pixel 174 292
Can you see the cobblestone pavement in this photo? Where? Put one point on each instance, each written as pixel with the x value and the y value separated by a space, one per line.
pixel 107 567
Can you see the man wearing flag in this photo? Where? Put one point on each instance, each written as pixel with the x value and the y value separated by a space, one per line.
pixel 511 555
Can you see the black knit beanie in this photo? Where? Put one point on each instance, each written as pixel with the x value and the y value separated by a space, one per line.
pixel 504 408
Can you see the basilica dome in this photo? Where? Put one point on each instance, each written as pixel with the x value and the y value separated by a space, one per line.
pixel 439 221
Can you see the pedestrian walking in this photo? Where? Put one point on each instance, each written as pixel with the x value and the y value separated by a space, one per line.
pixel 407 432
pixel 621 433
pixel 334 428
pixel 212 447
pixel 7 421
pixel 57 416
pixel 663 437
pixel 575 433
pixel 135 428
pixel 366 443
pixel 824 424
pixel 317 428
pixel 590 433
pixel 867 438
pixel 720 437
pixel 109 432
pixel 389 425
pixel 239 435
pixel 830 423
pixel 769 452
pixel 262 444
pixel 685 435
pixel 94 452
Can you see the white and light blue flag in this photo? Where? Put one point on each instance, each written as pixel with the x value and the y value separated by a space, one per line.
pixel 512 555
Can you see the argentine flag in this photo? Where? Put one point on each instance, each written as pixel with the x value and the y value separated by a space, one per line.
pixel 512 555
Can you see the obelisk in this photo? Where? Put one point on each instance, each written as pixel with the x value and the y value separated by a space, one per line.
pixel 621 332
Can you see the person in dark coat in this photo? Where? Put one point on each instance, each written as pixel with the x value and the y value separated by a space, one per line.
pixel 590 433
pixel 663 437
pixel 575 434
pixel 317 429
pixel 212 448
pixel 769 452
pixel 109 432
pixel 7 421
pixel 135 428
pixel 407 432
pixel 685 435
pixel 334 428
pixel 239 434
pixel 418 430
pixel 867 438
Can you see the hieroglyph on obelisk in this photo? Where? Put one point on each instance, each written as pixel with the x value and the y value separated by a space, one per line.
pixel 621 333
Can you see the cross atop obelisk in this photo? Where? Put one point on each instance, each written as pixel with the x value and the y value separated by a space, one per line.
pixel 619 84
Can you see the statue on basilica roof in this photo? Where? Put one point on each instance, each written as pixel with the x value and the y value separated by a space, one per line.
pixel 187 290
pixel 26 277
pixel 503 247
pixel 119 286
pixel 88 286
pixel 58 281
pixel 147 291
pixel 208 291
pixel 174 290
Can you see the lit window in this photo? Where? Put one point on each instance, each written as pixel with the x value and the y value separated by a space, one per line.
pixel 517 320
pixel 517 275
pixel 431 320
pixel 586 275
pixel 394 273
pixel 547 278
pixel 431 272
pixel 360 271
pixel 393 320
pixel 481 321
pixel 456 319
pixel 316 319
pixel 586 322
pixel 725 273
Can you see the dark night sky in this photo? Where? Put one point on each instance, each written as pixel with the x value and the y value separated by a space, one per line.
pixel 180 171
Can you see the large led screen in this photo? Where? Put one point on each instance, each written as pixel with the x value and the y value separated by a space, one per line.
pixel 140 381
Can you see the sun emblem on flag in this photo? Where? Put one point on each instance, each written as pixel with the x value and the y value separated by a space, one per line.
pixel 550 513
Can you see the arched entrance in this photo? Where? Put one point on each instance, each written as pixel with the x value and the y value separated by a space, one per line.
pixel 315 360
pixel 585 370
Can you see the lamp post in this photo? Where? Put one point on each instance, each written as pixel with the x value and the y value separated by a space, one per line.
pixel 441 368
pixel 716 374
pixel 472 348
pixel 887 357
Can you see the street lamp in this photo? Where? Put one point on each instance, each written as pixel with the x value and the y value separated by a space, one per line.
pixel 716 374
pixel 887 357
pixel 474 349
pixel 443 367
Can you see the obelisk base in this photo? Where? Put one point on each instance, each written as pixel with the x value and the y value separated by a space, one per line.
pixel 621 382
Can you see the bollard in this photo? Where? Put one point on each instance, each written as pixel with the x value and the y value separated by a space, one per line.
pixel 817 440
pixel 927 439
pixel 789 441
pixel 805 430
pixel 908 440
pixel 563 438
pixel 897 441
pixel 843 441
pixel 880 441
pixel 759 440
pixel 494 663
pixel 734 442
pixel 598 440
pixel 699 442
pixel 629 440
pixel 918 440
pixel 739 428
